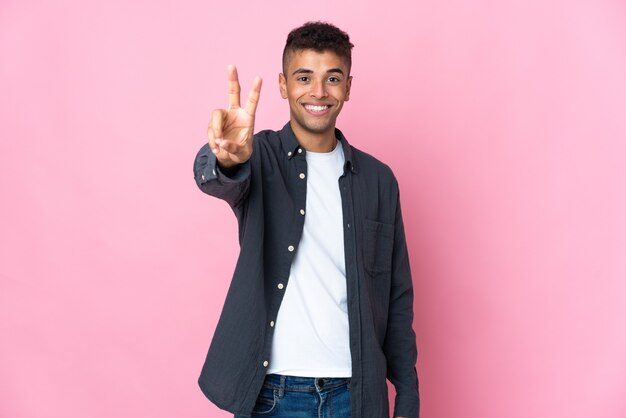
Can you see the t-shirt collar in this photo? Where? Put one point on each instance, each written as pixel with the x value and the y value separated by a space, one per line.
pixel 292 147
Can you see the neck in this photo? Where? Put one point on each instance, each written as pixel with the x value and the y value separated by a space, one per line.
pixel 315 142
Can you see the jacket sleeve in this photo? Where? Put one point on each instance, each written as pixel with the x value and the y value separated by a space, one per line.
pixel 399 346
pixel 232 185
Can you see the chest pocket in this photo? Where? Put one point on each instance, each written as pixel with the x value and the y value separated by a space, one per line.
pixel 378 247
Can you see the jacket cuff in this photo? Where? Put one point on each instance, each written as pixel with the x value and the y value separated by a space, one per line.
pixel 407 406
pixel 209 169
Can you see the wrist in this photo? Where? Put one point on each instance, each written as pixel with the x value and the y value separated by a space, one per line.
pixel 226 164
pixel 229 168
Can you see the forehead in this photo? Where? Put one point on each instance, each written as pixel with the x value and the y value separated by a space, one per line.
pixel 315 61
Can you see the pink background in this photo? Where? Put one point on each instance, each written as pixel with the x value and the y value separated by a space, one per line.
pixel 504 122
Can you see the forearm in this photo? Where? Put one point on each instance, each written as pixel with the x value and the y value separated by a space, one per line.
pixel 400 346
pixel 401 353
pixel 228 183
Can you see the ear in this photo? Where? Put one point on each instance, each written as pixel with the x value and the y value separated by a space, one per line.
pixel 348 86
pixel 282 84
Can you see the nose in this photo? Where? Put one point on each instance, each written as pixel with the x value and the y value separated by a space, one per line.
pixel 318 89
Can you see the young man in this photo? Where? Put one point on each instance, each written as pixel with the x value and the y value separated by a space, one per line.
pixel 320 308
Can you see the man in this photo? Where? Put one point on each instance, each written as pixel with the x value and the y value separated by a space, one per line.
pixel 320 308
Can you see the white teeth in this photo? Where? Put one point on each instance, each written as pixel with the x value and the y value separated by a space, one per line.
pixel 316 108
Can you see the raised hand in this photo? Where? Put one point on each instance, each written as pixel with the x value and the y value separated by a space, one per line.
pixel 231 130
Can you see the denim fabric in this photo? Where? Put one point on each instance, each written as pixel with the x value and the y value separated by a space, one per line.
pixel 303 397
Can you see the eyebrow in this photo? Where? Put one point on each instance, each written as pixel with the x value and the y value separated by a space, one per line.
pixel 307 71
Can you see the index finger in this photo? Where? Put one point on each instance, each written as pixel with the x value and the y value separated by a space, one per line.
pixel 234 89
pixel 253 96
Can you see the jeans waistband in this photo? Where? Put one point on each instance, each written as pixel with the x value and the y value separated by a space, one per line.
pixel 298 383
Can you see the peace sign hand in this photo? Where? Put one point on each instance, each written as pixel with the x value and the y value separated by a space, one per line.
pixel 231 130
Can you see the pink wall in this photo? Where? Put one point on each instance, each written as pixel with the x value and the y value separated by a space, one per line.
pixel 504 122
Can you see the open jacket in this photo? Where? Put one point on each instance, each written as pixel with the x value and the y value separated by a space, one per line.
pixel 266 194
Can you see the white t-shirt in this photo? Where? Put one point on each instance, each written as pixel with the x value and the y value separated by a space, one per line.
pixel 311 338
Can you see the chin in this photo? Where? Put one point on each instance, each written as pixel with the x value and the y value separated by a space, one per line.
pixel 318 128
pixel 314 126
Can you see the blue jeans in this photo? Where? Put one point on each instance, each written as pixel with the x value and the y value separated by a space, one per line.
pixel 303 397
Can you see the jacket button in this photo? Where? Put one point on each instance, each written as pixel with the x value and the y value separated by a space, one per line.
pixel 291 248
pixel 272 324
pixel 266 363
pixel 281 286
pixel 302 212
pixel 302 176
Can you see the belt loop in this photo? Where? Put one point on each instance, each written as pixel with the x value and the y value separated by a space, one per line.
pixel 281 389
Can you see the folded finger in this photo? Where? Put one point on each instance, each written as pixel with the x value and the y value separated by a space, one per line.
pixel 217 122
pixel 229 146
pixel 215 129
pixel 211 137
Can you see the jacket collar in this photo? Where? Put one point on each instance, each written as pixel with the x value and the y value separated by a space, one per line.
pixel 292 147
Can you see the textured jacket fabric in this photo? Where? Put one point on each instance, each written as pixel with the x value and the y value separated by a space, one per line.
pixel 267 194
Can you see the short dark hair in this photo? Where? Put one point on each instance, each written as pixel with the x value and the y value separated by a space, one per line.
pixel 320 37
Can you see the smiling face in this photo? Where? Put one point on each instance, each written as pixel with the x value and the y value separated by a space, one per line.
pixel 316 84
